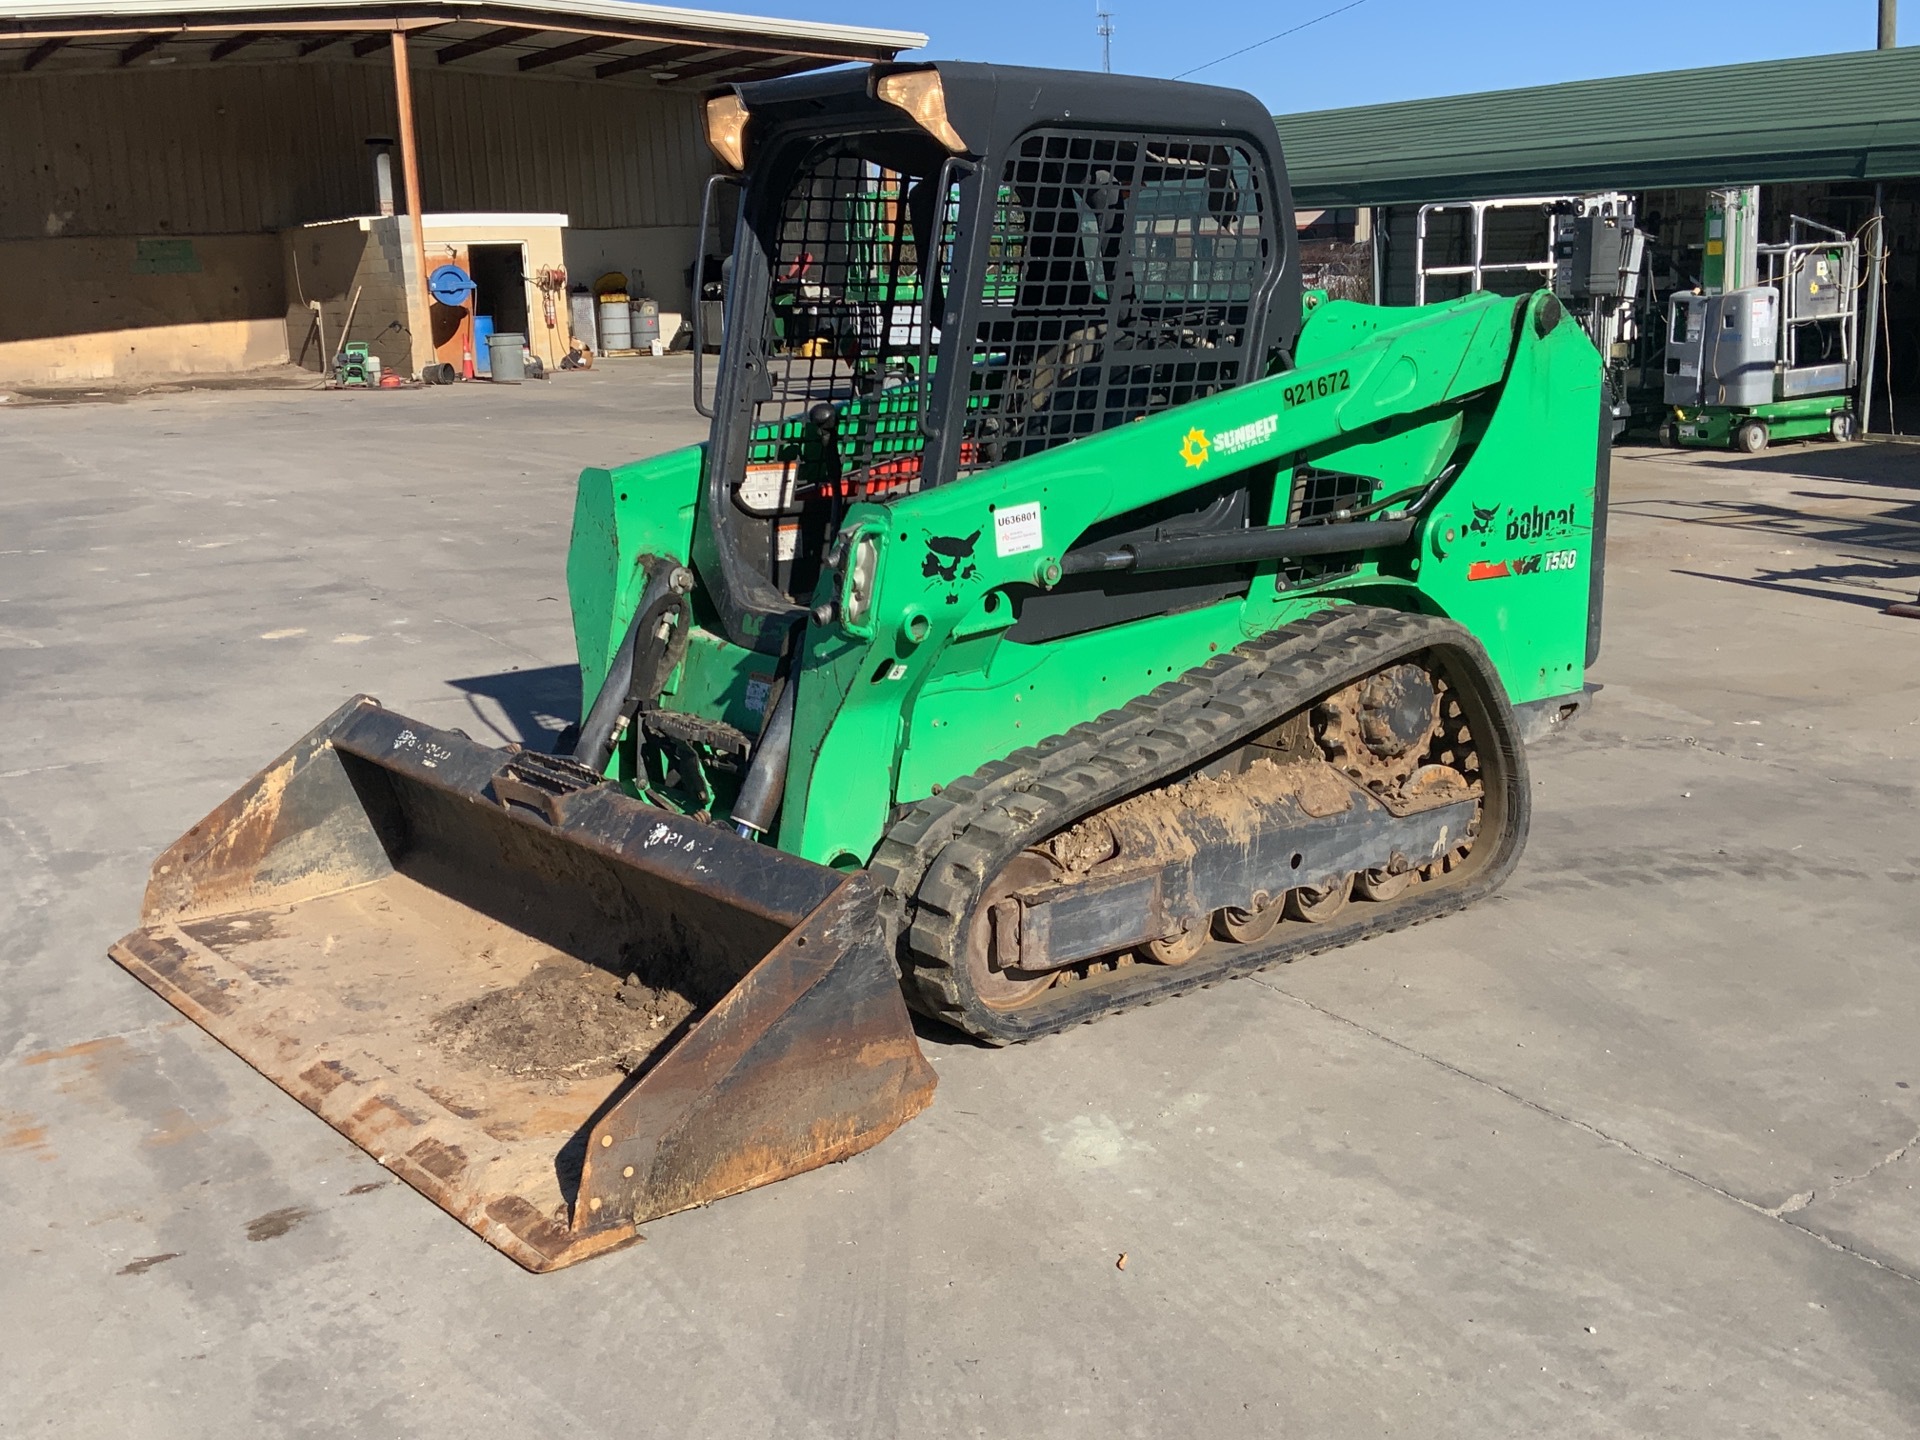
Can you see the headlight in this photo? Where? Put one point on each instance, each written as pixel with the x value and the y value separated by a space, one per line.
pixel 922 95
pixel 727 129
pixel 860 574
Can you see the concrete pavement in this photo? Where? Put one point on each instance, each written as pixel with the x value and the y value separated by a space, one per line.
pixel 1629 1150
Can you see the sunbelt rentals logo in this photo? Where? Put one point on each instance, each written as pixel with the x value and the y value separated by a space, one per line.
pixel 1198 446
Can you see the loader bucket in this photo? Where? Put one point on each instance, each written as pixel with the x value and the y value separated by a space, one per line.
pixel 554 1010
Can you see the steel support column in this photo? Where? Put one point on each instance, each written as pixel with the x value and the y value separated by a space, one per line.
pixel 419 318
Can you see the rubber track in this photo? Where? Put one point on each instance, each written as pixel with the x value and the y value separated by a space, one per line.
pixel 939 856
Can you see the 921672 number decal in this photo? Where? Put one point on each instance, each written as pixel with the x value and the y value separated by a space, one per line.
pixel 1316 389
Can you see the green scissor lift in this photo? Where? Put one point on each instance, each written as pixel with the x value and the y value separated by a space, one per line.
pixel 1772 359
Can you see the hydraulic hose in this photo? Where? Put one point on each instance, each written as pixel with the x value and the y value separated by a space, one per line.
pixel 600 730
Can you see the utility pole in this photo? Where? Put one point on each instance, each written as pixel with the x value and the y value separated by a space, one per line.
pixel 1889 23
pixel 1105 31
pixel 1876 255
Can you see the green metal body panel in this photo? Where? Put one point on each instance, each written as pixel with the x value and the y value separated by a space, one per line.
pixel 619 515
pixel 930 686
pixel 1712 426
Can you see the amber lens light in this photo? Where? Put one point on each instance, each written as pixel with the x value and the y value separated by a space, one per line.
pixel 727 129
pixel 921 95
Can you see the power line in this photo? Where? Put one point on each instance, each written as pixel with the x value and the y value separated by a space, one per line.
pixel 1244 49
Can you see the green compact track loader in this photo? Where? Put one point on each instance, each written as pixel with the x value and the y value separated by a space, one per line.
pixel 1065 611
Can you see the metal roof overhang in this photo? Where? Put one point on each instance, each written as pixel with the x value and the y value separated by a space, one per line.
pixel 1824 117
pixel 605 40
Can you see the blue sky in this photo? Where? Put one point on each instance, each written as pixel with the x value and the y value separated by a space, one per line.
pixel 1379 50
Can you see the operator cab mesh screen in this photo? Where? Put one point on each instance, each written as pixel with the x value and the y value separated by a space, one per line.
pixel 842 327
pixel 1122 277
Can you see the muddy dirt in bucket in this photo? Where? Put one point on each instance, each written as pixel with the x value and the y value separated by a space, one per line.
pixel 564 1021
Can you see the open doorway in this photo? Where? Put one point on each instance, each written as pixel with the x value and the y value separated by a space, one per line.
pixel 500 286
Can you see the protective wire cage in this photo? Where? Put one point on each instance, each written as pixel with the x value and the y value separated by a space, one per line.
pixel 843 327
pixel 1317 497
pixel 1122 278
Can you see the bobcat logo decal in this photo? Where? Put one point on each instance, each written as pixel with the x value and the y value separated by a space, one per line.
pixel 949 560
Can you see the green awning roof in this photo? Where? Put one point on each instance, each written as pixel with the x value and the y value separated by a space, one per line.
pixel 1825 117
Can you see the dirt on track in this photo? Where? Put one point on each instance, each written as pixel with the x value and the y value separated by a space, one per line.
pixel 564 1021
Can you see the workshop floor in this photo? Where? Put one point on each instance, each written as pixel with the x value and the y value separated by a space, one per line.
pixel 1629 1150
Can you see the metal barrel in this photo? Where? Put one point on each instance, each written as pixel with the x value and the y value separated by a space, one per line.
pixel 552 1009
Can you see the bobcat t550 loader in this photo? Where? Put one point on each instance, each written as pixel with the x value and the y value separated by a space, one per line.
pixel 1064 612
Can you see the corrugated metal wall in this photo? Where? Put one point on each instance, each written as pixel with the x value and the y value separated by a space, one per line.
pixel 235 148
pixel 606 155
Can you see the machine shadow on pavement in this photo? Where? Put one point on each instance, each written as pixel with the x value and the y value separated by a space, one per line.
pixel 1895 467
pixel 1888 531
pixel 536 704
pixel 1870 586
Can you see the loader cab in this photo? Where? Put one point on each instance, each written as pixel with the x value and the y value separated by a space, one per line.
pixel 940 269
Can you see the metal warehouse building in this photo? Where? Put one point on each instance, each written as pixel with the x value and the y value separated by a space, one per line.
pixel 206 187
pixel 1834 139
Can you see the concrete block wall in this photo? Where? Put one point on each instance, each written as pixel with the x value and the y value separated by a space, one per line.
pixel 328 264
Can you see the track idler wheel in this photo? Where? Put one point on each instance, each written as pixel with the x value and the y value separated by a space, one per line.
pixel 1002 988
pixel 1318 905
pixel 1382 884
pixel 1180 947
pixel 1249 927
